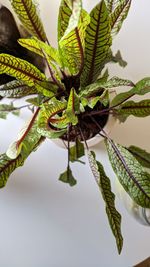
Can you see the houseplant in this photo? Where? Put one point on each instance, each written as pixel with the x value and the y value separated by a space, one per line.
pixel 73 101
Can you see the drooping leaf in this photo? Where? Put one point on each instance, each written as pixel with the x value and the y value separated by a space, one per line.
pixel 116 82
pixel 141 155
pixel 20 69
pixel 118 15
pixel 97 44
pixel 63 19
pixel 7 166
pixel 72 106
pixel 16 89
pixel 28 15
pixel 132 176
pixel 137 109
pixel 5 109
pixel 73 42
pixel 76 151
pixel 67 177
pixel 104 185
pixel 140 88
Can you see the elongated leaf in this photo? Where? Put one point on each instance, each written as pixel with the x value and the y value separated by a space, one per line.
pixel 100 84
pixel 7 166
pixel 103 182
pixel 20 69
pixel 27 13
pixel 73 106
pixel 16 89
pixel 76 151
pixel 132 176
pixel 97 43
pixel 141 88
pixel 5 109
pixel 73 42
pixel 40 48
pixel 137 109
pixel 119 15
pixel 63 19
pixel 141 155
pixel 67 177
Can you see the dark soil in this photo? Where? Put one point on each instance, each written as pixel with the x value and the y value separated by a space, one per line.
pixel 87 125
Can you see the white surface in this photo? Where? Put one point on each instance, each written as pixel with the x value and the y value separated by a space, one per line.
pixel 44 222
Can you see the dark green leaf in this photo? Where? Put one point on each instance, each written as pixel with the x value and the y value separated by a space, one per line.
pixel 118 59
pixel 76 151
pixel 97 44
pixel 132 176
pixel 109 198
pixel 137 109
pixel 141 155
pixel 67 177
pixel 28 15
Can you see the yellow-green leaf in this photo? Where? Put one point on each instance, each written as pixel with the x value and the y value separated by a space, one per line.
pixel 65 12
pixel 20 69
pixel 28 15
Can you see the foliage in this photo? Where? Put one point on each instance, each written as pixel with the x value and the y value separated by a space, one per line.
pixel 71 99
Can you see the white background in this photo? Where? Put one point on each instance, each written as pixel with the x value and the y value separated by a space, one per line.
pixel 44 222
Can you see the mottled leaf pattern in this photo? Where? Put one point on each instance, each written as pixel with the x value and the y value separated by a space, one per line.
pixel 27 13
pixel 111 4
pixel 137 109
pixel 16 89
pixel 141 155
pixel 97 44
pixel 5 109
pixel 132 176
pixel 20 69
pixel 76 151
pixel 119 15
pixel 109 198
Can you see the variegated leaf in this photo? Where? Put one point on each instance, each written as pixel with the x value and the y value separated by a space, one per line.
pixel 20 69
pixel 104 185
pixel 97 44
pixel 141 155
pixel 132 176
pixel 16 89
pixel 28 15
pixel 65 12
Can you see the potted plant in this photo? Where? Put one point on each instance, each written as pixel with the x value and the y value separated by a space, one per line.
pixel 77 98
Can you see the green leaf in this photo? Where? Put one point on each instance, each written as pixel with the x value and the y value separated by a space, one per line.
pixel 141 155
pixel 104 185
pixel 63 19
pixel 20 69
pixel 73 42
pixel 7 166
pixel 42 49
pixel 72 106
pixel 111 4
pixel 76 151
pixel 118 15
pixel 118 59
pixel 67 177
pixel 132 176
pixel 27 13
pixel 141 88
pixel 137 109
pixel 116 82
pixel 52 123
pixel 5 109
pixel 16 89
pixel 97 44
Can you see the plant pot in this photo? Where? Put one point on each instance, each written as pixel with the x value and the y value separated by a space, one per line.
pixel 97 138
pixel 142 215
